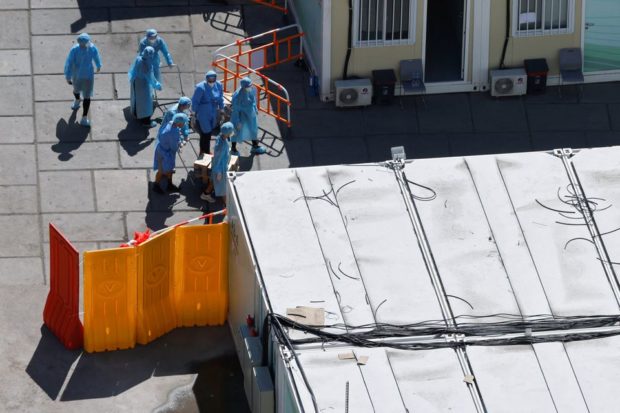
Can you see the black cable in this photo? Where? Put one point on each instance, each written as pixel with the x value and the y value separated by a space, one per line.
pixel 462 299
pixel 507 38
pixel 577 238
pixel 609 232
pixel 420 198
pixel 347 58
pixel 552 209
pixel 345 274
pixel 513 324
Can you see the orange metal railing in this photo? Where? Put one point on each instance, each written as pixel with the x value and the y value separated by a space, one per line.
pixel 272 97
pixel 245 60
pixel 274 4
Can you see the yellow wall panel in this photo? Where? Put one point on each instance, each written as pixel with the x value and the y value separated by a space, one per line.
pixel 156 309
pixel 109 299
pixel 201 269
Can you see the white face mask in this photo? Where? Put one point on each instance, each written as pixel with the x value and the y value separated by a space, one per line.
pixel 152 41
pixel 248 88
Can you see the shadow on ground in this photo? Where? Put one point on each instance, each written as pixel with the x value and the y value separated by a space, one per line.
pixel 90 11
pixel 205 351
pixel 135 137
pixel 70 136
pixel 50 363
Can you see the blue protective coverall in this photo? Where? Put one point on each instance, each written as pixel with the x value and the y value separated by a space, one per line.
pixel 168 118
pixel 141 83
pixel 205 104
pixel 160 46
pixel 219 164
pixel 79 68
pixel 167 146
pixel 244 112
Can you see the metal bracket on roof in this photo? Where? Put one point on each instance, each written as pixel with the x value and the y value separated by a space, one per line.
pixel 563 152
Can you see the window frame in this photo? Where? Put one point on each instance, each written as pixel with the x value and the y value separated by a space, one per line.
pixel 518 33
pixel 357 43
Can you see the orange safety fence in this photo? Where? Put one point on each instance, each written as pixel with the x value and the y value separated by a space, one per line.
pixel 177 277
pixel 239 59
pixel 268 55
pixel 274 4
pixel 61 313
pixel 201 264
pixel 110 294
pixel 156 309
pixel 272 97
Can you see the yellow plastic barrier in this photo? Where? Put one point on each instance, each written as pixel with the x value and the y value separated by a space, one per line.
pixel 156 309
pixel 201 267
pixel 109 299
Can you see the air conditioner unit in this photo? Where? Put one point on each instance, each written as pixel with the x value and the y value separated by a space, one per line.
pixel 353 92
pixel 508 82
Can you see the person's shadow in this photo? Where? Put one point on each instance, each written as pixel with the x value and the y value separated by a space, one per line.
pixel 70 136
pixel 134 137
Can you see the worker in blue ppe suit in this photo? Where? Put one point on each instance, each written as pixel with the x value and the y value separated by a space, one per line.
pixel 141 83
pixel 80 73
pixel 153 40
pixel 244 117
pixel 168 142
pixel 207 102
pixel 219 163
pixel 182 106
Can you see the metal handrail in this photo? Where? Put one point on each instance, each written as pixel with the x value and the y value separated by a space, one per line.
pixel 273 5
pixel 236 75
pixel 273 32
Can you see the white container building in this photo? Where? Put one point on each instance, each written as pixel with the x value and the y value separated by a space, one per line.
pixel 522 243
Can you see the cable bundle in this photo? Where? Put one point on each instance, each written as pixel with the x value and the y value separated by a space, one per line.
pixel 493 332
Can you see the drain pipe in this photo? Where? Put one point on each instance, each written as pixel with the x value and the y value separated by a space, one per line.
pixel 345 73
pixel 502 64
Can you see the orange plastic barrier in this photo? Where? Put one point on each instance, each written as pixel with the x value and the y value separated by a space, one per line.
pixel 109 299
pixel 134 294
pixel 201 267
pixel 156 309
pixel 62 306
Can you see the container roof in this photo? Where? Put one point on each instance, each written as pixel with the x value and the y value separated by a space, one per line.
pixel 505 237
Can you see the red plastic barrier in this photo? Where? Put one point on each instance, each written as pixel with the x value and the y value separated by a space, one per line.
pixel 62 306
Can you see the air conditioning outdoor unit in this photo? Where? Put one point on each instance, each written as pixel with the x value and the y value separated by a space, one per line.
pixel 508 82
pixel 353 92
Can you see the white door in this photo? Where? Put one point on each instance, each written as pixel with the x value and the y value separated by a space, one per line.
pixel 602 36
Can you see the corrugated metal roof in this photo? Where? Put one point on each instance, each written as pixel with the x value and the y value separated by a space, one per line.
pixel 504 236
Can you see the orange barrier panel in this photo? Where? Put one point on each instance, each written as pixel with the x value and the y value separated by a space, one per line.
pixel 109 299
pixel 156 309
pixel 62 306
pixel 201 267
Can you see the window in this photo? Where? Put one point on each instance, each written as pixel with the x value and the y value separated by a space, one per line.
pixel 384 22
pixel 542 17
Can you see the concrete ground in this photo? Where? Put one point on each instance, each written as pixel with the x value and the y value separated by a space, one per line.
pixel 93 183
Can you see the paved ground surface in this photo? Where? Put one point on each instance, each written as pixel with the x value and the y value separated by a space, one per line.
pixel 94 183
